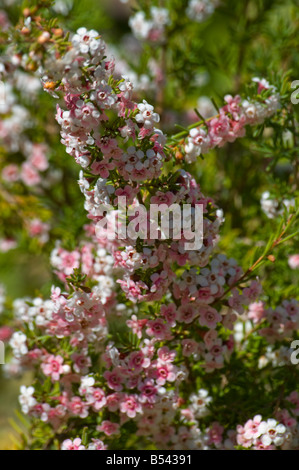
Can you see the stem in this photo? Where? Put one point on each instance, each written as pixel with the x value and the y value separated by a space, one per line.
pixel 192 126
pixel 258 261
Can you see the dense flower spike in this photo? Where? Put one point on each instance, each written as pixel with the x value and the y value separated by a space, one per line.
pixel 148 378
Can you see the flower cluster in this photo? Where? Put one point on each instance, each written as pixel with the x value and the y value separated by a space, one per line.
pixel 76 444
pixel 25 169
pixel 15 124
pixel 280 322
pixel 141 382
pixel 231 121
pixel 257 434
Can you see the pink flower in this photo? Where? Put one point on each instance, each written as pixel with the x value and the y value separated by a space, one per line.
pixel 294 261
pixel 219 127
pixel 190 347
pixel 253 291
pixel 72 445
pixel 5 333
pixel 271 334
pixel 284 417
pixel 97 444
pixel 256 311
pixel 148 391
pixel 169 312
pixel 137 361
pixel 128 192
pixel 113 401
pixel 96 398
pixel 259 445
pixel 109 428
pixel 69 261
pixel 210 338
pixel 158 329
pixel 251 428
pixel 209 317
pixel 38 229
pixel 102 168
pixel 215 433
pixel 187 313
pixel 163 198
pixel 166 355
pixel 10 173
pixel 292 308
pixel 78 407
pixel 29 174
pixel 241 439
pixel 81 363
pixel 204 295
pixel 38 158
pixel 165 433
pixel 136 325
pixel 4 21
pixel 294 399
pixel 133 289
pixel 53 367
pixel 114 380
pixel 165 373
pixel 233 105
pixel 236 301
pixel 7 244
pixel 107 145
pixel 130 405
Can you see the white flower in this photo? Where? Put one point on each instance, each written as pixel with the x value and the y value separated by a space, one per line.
pixel 273 433
pixel 263 82
pixel 126 87
pixel 269 206
pixel 257 112
pixel 199 403
pixel 200 10
pixel 27 401
pixel 249 109
pixel 272 208
pixel 210 278
pixel 140 25
pixel 198 142
pixel 104 289
pixel 104 96
pixel 18 344
pixel 89 42
pixel 160 16
pixel 146 116
pixel 87 383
